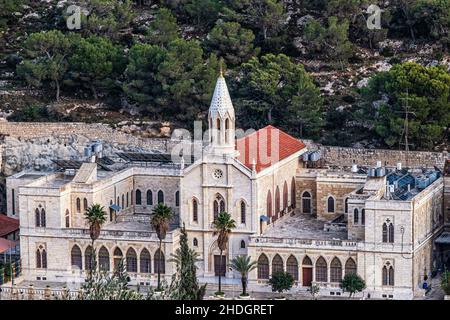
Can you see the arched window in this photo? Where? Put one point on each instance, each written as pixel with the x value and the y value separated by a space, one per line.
pixel 321 270
pixel 350 266
pixel 227 125
pixel 218 206
pixel 292 267
pixel 146 261
pixel 138 197
pixel 159 262
pixel 88 258
pixel 43 218
pixel 346 205
pixel 307 261
pixel 118 201
pixel 111 211
pixel 277 264
pixel 149 197
pixel 117 258
pixel 388 275
pixel 67 218
pixel 160 196
pixel 85 204
pixel 41 258
pixel 391 233
pixel 355 216
pixel 131 260
pixel 335 270
pixel 103 259
pixel 194 210
pixel 177 199
pixel 75 257
pixel 263 267
pixel 285 195
pixel 277 202
pixel 269 206
pixel 195 242
pixel 128 199
pixel 123 201
pixel 78 205
pixel 363 216
pixel 37 217
pixel 388 232
pixel 242 244
pixel 306 202
pixel 385 232
pixel 243 215
pixel 293 197
pixel 330 204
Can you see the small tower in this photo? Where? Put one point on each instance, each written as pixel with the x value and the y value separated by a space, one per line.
pixel 221 120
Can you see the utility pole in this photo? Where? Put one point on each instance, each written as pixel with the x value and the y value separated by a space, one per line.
pixel 404 136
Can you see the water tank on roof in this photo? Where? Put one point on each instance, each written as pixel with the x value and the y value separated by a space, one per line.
pixel 354 168
pixel 371 172
pixel 378 164
pixel 87 152
pixel 380 172
pixel 315 156
pixel 305 156
pixel 399 166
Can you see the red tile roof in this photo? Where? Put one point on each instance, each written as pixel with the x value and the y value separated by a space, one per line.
pixel 266 147
pixel 8 225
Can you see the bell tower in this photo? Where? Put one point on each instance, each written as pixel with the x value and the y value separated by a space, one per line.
pixel 221 120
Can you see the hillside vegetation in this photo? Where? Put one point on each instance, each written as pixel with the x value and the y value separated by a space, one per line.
pixel 310 67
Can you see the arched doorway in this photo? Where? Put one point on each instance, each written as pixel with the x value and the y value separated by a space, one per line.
pixel 218 264
pixel 307 271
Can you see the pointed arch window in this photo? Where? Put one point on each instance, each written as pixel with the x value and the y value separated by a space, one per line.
pixel 277 202
pixel 75 257
pixel 40 217
pixel 41 258
pixel 67 218
pixel 131 260
pixel 195 242
pixel 293 192
pixel 242 244
pixel 346 205
pixel 388 275
pixel 103 259
pixel 78 201
pixel 321 270
pixel 85 204
pixel 388 232
pixel 88 258
pixel 277 264
pixel 117 258
pixel 292 267
pixel 350 266
pixel 263 267
pixel 243 213
pixel 138 197
pixel 285 196
pixel 128 199
pixel 149 197
pixel 227 127
pixel 177 199
pixel 355 216
pixel 307 261
pixel 269 206
pixel 336 270
pixel 218 206
pixel 145 261
pixel 363 217
pixel 159 262
pixel 194 210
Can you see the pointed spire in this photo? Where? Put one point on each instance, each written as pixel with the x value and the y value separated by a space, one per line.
pixel 221 68
pixel 221 100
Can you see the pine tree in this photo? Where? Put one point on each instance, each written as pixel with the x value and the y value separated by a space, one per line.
pixel 185 285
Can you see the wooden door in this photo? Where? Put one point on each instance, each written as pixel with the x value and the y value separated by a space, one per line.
pixel 219 268
pixel 307 276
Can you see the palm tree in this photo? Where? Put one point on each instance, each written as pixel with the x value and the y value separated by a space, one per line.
pixel 243 265
pixel 162 215
pixel 223 225
pixel 96 217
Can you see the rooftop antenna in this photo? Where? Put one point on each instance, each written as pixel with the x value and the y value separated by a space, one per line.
pixel 405 132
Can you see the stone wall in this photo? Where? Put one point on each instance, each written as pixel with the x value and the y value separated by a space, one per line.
pixel 369 157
